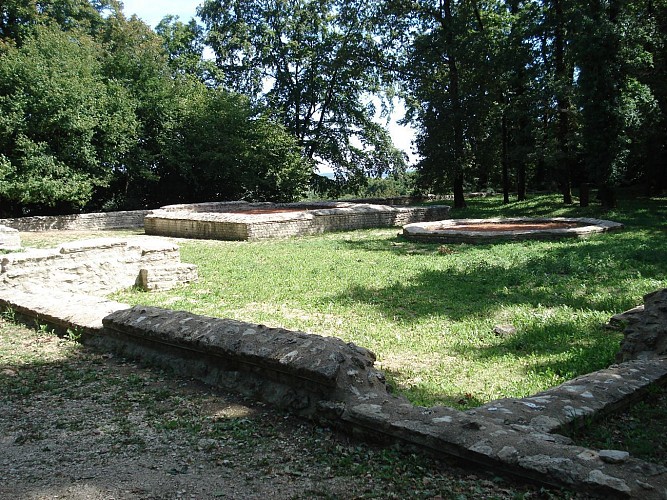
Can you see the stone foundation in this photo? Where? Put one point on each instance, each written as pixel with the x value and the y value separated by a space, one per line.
pixel 97 267
pixel 227 221
pixel 79 222
pixel 447 231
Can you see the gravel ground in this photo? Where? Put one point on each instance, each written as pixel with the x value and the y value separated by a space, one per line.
pixel 81 424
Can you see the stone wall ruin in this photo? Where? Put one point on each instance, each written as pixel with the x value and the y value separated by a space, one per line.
pixel 336 383
pixel 79 222
pixel 97 267
pixel 234 220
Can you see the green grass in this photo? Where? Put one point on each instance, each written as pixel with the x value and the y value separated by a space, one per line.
pixel 640 429
pixel 428 312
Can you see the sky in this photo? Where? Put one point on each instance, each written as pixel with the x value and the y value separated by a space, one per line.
pixel 152 12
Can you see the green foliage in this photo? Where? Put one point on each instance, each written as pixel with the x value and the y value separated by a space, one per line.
pixel 59 120
pixel 99 112
pixel 312 63
pixel 532 93
pixel 222 148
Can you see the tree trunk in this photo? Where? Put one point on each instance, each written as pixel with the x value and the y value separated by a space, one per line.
pixel 563 103
pixel 459 200
pixel 505 160
pixel 584 194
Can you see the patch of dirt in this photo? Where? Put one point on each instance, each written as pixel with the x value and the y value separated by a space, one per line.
pixel 81 424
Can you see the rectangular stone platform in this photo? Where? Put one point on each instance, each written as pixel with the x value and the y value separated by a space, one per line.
pixel 254 221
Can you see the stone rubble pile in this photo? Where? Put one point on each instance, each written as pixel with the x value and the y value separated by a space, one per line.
pixel 646 331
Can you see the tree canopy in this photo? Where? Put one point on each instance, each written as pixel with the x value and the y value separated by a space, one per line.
pixel 315 64
pixel 99 111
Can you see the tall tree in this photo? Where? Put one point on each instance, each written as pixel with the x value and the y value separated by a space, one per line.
pixel 447 75
pixel 314 62
pixel 63 127
pixel 600 83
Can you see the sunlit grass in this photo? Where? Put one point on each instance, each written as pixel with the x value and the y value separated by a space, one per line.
pixel 429 314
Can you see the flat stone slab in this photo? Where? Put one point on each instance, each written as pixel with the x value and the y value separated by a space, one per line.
pixel 506 229
pixel 60 309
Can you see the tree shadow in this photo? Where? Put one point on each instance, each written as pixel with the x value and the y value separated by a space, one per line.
pixel 589 274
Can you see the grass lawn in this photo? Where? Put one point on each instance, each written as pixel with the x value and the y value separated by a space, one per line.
pixel 428 311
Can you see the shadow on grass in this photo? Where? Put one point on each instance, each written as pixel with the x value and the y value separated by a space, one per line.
pixel 421 394
pixel 602 274
pixel 576 284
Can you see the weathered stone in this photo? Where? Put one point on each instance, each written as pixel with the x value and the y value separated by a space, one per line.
pixel 504 330
pixel 483 447
pixel 588 455
pixel 508 454
pixel 599 478
pixel 644 485
pixel 88 222
pixel 646 333
pixel 559 467
pixel 98 266
pixel 614 456
pixel 619 321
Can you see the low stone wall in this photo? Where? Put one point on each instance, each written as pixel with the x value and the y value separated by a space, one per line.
pixel 336 383
pixel 292 370
pixel 79 222
pixel 226 221
pixel 98 266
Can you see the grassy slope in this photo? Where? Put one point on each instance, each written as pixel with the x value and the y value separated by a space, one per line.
pixel 428 311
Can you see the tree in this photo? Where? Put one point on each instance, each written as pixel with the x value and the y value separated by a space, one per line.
pixel 314 64
pixel 18 18
pixel 600 83
pixel 63 128
pixel 446 66
pixel 224 149
pixel 184 45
